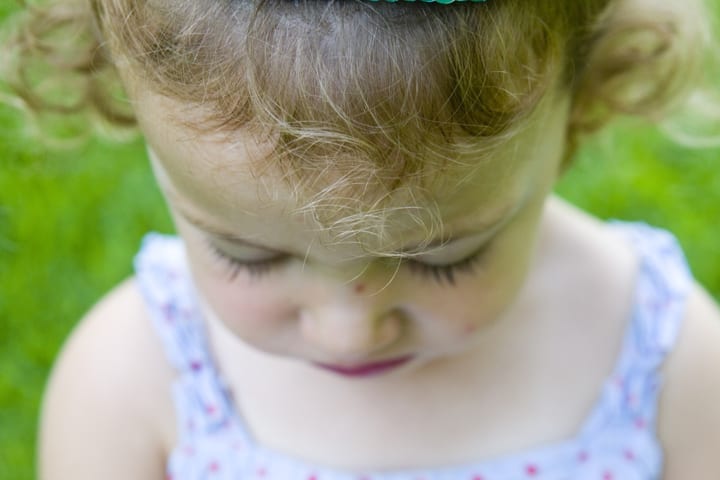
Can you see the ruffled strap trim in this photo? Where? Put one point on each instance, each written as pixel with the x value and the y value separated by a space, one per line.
pixel 631 395
pixel 664 283
pixel 162 277
pixel 164 281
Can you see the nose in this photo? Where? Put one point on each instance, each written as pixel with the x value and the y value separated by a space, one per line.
pixel 350 329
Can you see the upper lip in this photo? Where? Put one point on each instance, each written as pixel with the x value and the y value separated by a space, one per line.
pixel 367 368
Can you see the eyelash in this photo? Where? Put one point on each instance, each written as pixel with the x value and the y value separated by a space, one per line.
pixel 442 274
pixel 235 266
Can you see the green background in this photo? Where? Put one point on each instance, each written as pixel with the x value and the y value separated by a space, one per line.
pixel 71 220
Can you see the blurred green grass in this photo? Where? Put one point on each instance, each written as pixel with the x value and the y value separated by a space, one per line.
pixel 70 222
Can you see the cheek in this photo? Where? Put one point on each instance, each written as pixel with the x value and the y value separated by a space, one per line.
pixel 251 309
pixel 468 307
pixel 478 299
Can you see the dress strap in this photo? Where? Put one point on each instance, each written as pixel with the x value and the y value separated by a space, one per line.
pixel 162 276
pixel 631 395
pixel 164 281
pixel 664 282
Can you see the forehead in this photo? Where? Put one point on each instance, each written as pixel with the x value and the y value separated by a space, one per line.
pixel 216 176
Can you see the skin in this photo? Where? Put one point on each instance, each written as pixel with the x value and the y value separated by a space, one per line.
pixel 305 307
pixel 523 307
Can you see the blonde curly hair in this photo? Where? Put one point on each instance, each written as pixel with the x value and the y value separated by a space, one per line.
pixel 382 92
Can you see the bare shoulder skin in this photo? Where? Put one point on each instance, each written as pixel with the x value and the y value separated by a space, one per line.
pixel 689 416
pixel 107 410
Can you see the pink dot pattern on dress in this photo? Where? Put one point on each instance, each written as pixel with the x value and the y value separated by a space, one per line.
pixel 532 470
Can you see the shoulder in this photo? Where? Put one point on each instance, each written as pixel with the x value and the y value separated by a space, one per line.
pixel 689 410
pixel 106 411
pixel 689 416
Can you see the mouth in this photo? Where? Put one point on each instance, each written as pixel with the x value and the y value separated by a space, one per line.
pixel 367 369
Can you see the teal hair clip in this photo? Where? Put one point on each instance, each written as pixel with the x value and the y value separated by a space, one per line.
pixel 444 2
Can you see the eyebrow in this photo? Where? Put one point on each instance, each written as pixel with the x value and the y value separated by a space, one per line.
pixel 488 228
pixel 219 234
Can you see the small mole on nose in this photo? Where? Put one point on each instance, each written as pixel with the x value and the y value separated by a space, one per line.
pixel 359 288
pixel 469 329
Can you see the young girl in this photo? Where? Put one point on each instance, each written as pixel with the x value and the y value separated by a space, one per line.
pixel 372 278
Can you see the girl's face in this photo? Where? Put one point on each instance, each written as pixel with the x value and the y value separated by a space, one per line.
pixel 279 285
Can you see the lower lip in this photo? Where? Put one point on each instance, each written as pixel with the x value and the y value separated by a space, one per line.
pixel 369 370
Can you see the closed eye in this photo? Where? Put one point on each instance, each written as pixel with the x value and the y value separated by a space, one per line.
pixel 447 273
pixel 254 267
